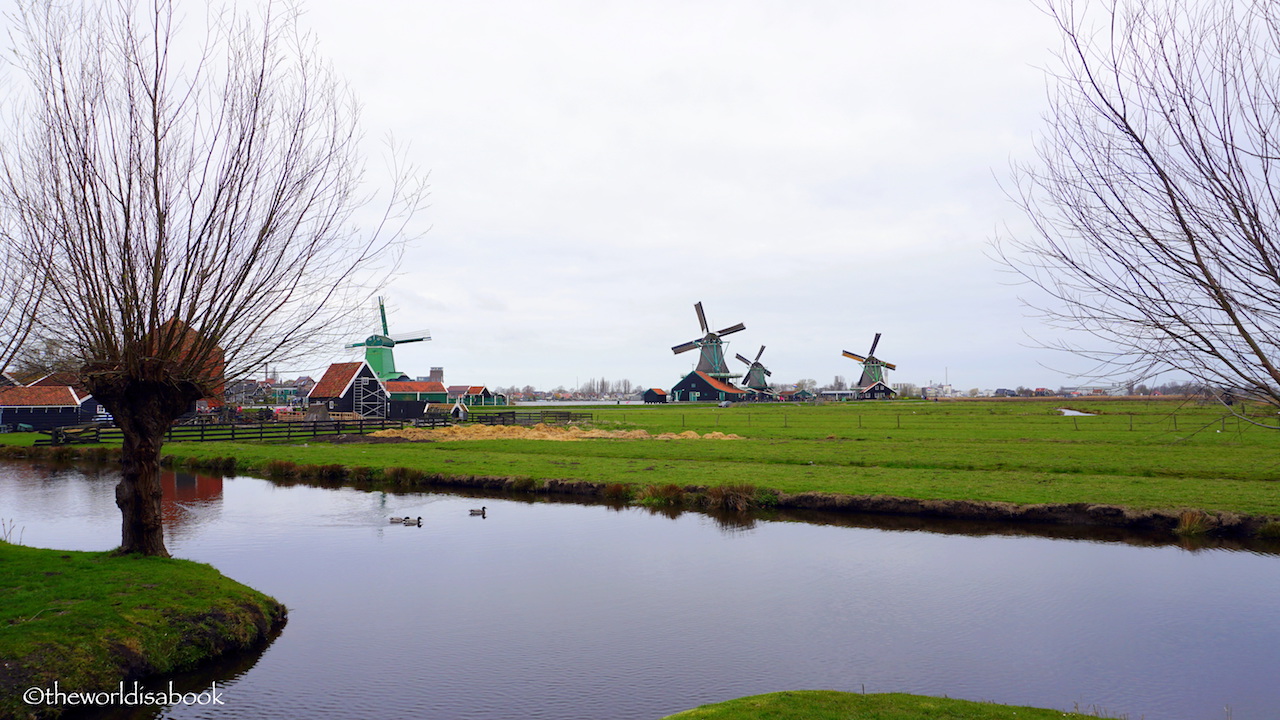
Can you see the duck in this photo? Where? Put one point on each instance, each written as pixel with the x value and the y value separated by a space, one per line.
pixel 479 512
pixel 398 520
pixel 411 521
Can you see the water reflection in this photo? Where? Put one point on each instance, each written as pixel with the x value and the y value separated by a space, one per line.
pixel 562 610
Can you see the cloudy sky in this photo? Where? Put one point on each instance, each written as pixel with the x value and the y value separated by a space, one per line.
pixel 818 170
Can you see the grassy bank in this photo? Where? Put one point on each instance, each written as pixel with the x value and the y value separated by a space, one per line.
pixel 1140 455
pixel 829 705
pixel 89 620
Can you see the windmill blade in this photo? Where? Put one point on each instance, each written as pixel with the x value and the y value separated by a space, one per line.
pixel 702 318
pixel 848 354
pixel 692 344
pixel 874 343
pixel 759 354
pixel 766 371
pixel 382 312
pixel 891 366
pixel 739 356
pixel 736 328
pixel 414 336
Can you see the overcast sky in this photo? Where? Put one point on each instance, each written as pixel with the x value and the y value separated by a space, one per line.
pixel 820 171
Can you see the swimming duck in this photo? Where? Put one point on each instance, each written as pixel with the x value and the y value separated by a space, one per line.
pixel 479 512
pixel 411 521
pixel 398 520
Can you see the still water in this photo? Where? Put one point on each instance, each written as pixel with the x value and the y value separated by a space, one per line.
pixel 553 610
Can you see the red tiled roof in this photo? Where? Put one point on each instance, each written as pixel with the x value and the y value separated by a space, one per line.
pixel 336 380
pixel 719 384
pixel 659 391
pixel 475 390
pixel 58 379
pixel 414 386
pixel 40 396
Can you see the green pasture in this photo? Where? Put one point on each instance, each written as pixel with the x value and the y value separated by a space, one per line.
pixel 1159 454
pixel 830 705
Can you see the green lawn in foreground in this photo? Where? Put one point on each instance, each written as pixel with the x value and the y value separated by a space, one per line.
pixel 829 705
pixel 1012 451
pixel 79 617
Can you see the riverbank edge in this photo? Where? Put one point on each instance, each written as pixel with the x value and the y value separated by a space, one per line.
pixel 1182 521
pixel 1186 522
pixel 151 639
pixel 835 705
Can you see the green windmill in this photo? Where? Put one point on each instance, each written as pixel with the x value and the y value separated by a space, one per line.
pixel 377 348
pixel 712 360
pixel 872 367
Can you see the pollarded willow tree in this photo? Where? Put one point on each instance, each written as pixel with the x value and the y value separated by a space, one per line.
pixel 190 196
pixel 1156 197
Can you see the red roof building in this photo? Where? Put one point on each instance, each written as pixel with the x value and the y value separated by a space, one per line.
pixel 698 386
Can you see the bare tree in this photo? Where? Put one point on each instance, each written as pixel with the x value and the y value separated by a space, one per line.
pixel 1155 200
pixel 192 204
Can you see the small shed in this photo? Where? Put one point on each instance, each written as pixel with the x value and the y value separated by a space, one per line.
pixel 410 398
pixel 655 395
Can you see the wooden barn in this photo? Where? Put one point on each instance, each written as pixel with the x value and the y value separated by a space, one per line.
pixel 655 395
pixel 351 387
pixel 698 386
pixel 45 407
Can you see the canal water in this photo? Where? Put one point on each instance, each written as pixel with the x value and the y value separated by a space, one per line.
pixel 564 611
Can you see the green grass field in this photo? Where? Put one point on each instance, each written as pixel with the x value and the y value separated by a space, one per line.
pixel 829 705
pixel 1160 454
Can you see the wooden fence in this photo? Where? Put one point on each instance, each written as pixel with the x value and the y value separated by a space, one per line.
pixel 225 431
pixel 529 417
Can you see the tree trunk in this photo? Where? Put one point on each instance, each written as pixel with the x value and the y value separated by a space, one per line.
pixel 144 404
pixel 139 493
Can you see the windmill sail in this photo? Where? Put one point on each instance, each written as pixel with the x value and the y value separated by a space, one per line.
pixel 712 360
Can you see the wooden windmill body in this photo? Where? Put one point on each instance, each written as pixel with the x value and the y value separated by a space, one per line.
pixel 872 385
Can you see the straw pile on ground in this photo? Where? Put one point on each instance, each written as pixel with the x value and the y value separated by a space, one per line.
pixel 538 432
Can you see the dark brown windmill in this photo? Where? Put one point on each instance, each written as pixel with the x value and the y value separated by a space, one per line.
pixel 756 373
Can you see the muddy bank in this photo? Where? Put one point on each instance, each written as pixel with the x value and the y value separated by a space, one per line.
pixel 1190 521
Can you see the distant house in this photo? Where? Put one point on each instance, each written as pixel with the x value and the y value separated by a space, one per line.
pixel 698 386
pixel 655 395
pixel 45 407
pixel 472 395
pixel 350 387
pixel 877 391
